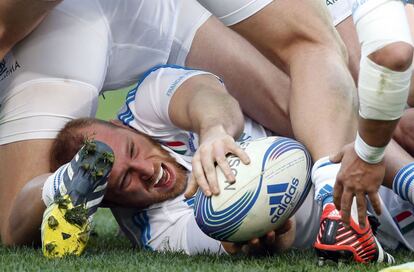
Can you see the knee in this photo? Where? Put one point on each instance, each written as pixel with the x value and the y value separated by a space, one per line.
pixel 396 56
pixel 327 46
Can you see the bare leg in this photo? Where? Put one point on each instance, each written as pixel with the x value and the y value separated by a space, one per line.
pixel 261 89
pixel 18 18
pixel 25 222
pixel 395 158
pixel 297 35
pixel 410 16
pixel 404 132
pixel 19 163
pixel 347 31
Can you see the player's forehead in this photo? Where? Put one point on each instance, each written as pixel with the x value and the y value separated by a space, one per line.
pixel 118 136
pixel 105 133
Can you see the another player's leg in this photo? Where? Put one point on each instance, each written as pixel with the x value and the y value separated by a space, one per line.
pixel 410 17
pixel 21 206
pixel 404 132
pixel 249 76
pixel 72 195
pixel 316 43
pixel 306 39
pixel 35 106
pixel 347 31
pixel 19 18
pixel 400 172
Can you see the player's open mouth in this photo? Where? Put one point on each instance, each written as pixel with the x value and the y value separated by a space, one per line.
pixel 165 178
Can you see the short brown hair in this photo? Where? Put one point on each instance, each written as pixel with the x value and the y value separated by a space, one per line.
pixel 70 139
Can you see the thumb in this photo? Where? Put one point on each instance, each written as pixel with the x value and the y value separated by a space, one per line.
pixel 191 188
pixel 337 158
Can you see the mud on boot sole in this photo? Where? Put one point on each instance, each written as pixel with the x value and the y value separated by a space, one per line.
pixel 65 229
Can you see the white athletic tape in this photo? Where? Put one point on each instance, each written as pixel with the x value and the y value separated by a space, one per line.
pixel 382 93
pixel 380 23
pixel 367 153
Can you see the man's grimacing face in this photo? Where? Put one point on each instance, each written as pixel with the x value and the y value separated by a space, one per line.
pixel 143 173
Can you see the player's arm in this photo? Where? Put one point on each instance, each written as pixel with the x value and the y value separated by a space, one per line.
pixel 202 104
pixel 18 18
pixel 384 81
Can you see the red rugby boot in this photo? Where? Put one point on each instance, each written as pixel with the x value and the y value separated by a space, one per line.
pixel 340 243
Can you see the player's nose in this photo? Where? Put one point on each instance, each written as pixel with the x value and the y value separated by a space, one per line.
pixel 144 168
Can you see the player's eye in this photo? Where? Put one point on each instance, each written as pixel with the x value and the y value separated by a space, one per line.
pixel 133 152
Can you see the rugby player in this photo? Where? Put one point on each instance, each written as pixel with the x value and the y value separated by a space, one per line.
pixel 83 48
pixel 272 26
pixel 253 65
pixel 384 81
pixel 189 114
pixel 391 50
pixel 342 16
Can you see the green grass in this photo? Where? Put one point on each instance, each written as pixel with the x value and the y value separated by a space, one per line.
pixel 111 102
pixel 109 252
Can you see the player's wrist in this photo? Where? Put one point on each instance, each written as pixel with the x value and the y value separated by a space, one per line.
pixel 367 153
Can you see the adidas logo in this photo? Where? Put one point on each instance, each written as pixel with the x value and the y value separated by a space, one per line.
pixel 334 213
pixel 281 196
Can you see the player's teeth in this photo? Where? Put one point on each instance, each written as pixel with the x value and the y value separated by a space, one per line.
pixel 160 174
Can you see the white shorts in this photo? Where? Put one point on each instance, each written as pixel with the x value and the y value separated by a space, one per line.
pixel 82 48
pixel 40 108
pixel 397 221
pixel 231 12
pixel 339 10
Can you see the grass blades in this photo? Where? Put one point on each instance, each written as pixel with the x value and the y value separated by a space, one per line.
pixel 109 252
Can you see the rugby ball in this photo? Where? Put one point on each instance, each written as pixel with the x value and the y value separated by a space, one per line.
pixel 266 192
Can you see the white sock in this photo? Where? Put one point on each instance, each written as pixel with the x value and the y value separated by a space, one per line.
pixel 323 178
pixel 52 185
pixel 403 184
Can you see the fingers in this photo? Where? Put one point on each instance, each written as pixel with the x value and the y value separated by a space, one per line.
pixel 256 247
pixel 198 176
pixel 270 238
pixel 225 167
pixel 362 209
pixel 285 228
pixel 204 169
pixel 210 172
pixel 375 202
pixel 236 150
pixel 254 244
pixel 337 158
pixel 191 188
pixel 220 153
pixel 337 193
pixel 346 203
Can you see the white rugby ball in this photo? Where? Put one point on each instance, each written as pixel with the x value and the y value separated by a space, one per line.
pixel 266 192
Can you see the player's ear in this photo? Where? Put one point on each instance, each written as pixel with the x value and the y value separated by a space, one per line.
pixel 118 123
